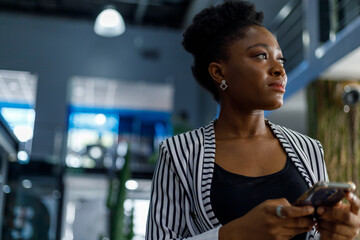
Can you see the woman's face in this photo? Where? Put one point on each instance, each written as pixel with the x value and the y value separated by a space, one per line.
pixel 254 71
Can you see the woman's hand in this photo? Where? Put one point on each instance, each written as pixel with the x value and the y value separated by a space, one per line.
pixel 340 222
pixel 262 222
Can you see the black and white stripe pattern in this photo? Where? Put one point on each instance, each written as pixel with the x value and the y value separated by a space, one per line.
pixel 180 206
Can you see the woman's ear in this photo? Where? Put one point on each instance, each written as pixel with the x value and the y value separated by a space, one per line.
pixel 216 72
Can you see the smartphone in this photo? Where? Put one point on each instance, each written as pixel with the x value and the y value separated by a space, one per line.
pixel 325 194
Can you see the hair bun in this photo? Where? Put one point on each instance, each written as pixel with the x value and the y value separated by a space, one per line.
pixel 218 20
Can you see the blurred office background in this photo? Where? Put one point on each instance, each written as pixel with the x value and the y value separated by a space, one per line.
pixel 82 114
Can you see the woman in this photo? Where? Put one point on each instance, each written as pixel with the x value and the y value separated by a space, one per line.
pixel 237 177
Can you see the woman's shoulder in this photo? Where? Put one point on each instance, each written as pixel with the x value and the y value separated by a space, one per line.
pixel 190 138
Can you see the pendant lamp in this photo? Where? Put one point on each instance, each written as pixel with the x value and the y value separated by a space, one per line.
pixel 109 23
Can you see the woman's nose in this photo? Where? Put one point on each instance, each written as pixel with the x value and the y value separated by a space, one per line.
pixel 277 70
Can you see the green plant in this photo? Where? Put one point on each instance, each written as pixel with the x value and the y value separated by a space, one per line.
pixel 116 199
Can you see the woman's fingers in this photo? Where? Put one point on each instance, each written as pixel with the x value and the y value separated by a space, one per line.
pixel 291 232
pixel 338 229
pixel 295 220
pixel 302 222
pixel 325 234
pixel 272 225
pixel 340 222
pixel 296 212
pixel 339 215
pixel 354 203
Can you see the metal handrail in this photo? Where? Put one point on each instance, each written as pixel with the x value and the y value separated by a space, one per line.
pixel 352 15
pixel 350 9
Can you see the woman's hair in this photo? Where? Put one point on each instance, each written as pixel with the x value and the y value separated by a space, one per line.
pixel 211 32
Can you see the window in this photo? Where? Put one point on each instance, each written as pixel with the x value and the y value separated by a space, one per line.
pixel 17 106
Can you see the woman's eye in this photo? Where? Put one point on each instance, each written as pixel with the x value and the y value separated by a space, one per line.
pixel 282 61
pixel 261 56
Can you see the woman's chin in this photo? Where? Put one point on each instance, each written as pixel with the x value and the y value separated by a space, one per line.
pixel 273 106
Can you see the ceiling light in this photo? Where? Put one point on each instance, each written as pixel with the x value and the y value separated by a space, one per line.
pixel 26 183
pixel 100 119
pixel 23 133
pixel 6 189
pixel 96 152
pixel 73 161
pixel 109 23
pixel 131 184
pixel 23 156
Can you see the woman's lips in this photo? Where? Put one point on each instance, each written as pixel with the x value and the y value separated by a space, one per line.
pixel 278 85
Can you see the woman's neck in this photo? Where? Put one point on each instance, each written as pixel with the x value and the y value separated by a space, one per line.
pixel 241 124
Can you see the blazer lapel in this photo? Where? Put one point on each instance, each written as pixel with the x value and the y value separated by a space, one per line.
pixel 296 154
pixel 206 172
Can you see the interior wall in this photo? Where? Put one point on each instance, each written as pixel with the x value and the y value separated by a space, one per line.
pixel 58 48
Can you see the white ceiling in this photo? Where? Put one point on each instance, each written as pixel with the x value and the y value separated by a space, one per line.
pixel 17 87
pixel 115 94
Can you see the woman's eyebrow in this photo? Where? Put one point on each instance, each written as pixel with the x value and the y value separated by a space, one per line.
pixel 261 45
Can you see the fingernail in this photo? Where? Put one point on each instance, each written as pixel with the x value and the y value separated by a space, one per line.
pixel 320 210
pixel 352 196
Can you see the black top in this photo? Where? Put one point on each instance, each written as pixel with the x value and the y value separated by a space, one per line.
pixel 233 195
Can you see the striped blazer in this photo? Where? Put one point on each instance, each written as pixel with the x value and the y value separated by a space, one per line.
pixel 180 206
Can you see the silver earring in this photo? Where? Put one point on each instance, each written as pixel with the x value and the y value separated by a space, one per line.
pixel 223 85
